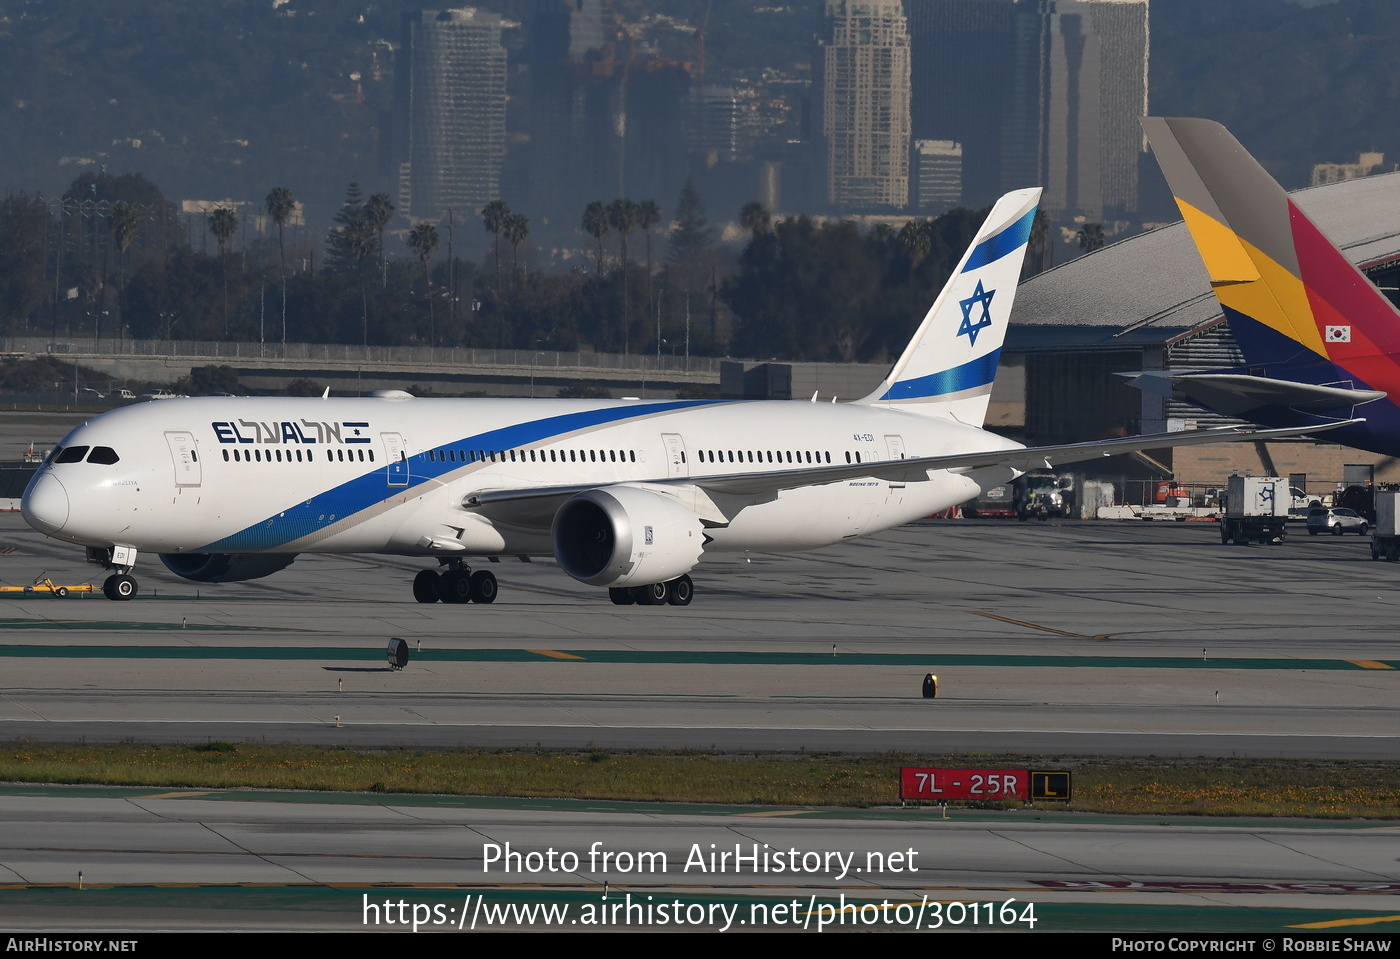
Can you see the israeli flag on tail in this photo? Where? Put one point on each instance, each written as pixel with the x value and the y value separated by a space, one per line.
pixel 948 367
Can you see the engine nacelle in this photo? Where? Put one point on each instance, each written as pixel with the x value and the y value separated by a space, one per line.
pixel 225 567
pixel 626 536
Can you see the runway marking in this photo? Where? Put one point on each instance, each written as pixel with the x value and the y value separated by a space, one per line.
pixel 108 625
pixel 1369 664
pixel 371 724
pixel 1358 921
pixel 1047 629
pixel 677 657
pixel 178 795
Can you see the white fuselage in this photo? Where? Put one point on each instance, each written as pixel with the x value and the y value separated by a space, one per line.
pixel 394 474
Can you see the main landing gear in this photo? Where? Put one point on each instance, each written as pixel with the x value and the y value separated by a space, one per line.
pixel 457 584
pixel 678 592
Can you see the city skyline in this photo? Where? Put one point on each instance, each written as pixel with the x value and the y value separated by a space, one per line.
pixel 771 116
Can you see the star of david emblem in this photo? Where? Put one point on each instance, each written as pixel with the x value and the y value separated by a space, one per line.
pixel 969 328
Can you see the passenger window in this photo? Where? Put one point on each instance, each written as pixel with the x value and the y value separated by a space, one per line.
pixel 106 456
pixel 73 454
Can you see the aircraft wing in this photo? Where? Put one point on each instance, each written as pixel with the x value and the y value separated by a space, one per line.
pixel 541 501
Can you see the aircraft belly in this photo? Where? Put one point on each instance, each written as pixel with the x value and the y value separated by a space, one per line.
pixel 811 517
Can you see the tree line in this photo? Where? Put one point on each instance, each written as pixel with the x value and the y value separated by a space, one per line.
pixel 112 258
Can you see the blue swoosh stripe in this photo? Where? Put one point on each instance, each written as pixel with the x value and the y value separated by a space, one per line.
pixel 369 489
pixel 1009 240
pixel 973 373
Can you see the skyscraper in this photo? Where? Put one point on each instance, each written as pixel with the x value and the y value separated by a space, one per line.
pixel 452 100
pixel 938 175
pixel 1096 68
pixel 975 79
pixel 863 76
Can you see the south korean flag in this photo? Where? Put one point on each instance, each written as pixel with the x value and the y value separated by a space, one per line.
pixel 1339 334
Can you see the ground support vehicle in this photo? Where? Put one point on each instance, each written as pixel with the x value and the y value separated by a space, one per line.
pixel 1256 511
pixel 1385 537
pixel 46 585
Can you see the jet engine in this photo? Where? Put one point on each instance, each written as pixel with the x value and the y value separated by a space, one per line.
pixel 626 536
pixel 225 567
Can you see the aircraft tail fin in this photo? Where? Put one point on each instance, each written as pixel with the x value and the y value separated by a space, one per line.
pixel 1297 306
pixel 948 367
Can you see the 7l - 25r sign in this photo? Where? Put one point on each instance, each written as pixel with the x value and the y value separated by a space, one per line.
pixel 942 785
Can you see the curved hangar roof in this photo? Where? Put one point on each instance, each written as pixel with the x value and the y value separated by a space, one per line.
pixel 1153 286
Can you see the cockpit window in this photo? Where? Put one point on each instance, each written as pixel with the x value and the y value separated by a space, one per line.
pixel 53 455
pixel 71 454
pixel 103 455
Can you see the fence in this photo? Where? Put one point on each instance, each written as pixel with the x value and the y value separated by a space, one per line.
pixel 225 352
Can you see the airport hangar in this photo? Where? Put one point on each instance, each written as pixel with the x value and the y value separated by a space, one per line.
pixel 1145 303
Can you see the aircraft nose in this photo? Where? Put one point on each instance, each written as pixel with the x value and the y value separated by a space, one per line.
pixel 45 504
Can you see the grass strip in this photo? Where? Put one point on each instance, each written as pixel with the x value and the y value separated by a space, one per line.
pixel 1204 787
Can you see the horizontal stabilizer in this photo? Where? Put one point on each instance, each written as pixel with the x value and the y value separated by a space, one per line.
pixel 1240 394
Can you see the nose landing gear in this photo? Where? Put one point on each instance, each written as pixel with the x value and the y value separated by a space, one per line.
pixel 121 585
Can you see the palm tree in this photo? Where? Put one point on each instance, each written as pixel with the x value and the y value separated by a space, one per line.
pixel 595 224
pixel 380 211
pixel 1040 235
pixel 223 223
pixel 1091 237
pixel 917 239
pixel 623 215
pixel 494 215
pixel 125 221
pixel 359 239
pixel 756 218
pixel 424 241
pixel 648 215
pixel 517 230
pixel 280 206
